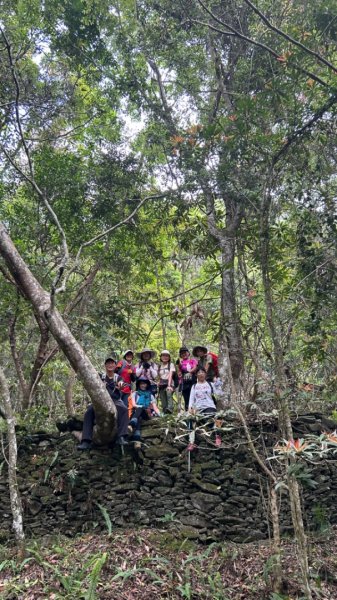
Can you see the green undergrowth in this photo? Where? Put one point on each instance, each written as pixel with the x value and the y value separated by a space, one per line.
pixel 154 563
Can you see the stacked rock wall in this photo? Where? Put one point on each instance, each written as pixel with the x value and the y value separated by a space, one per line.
pixel 222 497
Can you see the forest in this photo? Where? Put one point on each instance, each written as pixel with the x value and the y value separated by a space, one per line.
pixel 168 180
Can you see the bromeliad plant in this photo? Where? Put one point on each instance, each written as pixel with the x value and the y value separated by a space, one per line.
pixel 309 447
pixel 293 447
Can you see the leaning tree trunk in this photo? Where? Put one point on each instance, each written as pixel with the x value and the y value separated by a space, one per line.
pixel 104 407
pixel 14 494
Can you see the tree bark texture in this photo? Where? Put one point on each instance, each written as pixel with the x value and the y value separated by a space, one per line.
pixel 230 326
pixel 24 387
pixel 104 407
pixel 68 394
pixel 276 569
pixel 280 387
pixel 40 358
pixel 14 493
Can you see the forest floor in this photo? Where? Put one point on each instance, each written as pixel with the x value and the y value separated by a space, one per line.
pixel 150 564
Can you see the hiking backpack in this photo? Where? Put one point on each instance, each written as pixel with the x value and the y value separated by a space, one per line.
pixel 215 360
pixel 120 366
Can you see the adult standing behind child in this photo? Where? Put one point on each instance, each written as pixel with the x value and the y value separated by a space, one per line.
pixel 165 374
pixel 147 368
pixel 206 360
pixel 127 372
pixel 187 367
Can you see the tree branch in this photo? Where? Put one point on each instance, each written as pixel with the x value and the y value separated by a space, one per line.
pixel 110 230
pixel 166 107
pixel 253 42
pixel 289 38
pixel 31 178
pixel 305 128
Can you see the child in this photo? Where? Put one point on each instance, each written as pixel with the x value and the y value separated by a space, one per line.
pixel 143 406
pixel 166 372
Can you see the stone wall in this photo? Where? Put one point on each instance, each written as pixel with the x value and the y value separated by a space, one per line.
pixel 223 497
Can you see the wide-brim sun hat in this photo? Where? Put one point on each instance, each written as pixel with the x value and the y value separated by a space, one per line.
pixel 196 348
pixel 151 352
pixel 128 352
pixel 165 352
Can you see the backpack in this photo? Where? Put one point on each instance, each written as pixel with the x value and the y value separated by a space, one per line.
pixel 111 386
pixel 215 360
pixel 175 379
pixel 120 366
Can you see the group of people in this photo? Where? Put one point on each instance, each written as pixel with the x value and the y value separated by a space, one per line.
pixel 135 386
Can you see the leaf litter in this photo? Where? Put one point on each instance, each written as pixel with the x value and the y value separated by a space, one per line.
pixel 143 564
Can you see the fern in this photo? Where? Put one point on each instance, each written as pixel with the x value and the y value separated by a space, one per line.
pixel 106 517
pixel 94 575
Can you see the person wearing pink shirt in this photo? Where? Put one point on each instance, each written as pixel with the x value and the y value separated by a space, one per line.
pixel 187 367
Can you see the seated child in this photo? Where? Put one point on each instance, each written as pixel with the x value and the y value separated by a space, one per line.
pixel 143 407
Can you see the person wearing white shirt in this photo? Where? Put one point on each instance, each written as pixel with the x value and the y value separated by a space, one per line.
pixel 201 396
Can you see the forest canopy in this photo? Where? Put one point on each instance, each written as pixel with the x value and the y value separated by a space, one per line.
pixel 168 175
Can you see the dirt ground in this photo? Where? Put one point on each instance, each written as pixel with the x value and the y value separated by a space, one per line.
pixel 148 564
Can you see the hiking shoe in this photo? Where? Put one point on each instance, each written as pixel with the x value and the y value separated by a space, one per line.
pixel 84 445
pixel 71 424
pixel 74 424
pixel 192 447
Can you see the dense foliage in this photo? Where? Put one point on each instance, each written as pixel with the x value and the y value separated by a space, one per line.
pixel 223 116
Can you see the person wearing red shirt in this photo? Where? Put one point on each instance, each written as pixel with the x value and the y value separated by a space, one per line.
pixel 127 371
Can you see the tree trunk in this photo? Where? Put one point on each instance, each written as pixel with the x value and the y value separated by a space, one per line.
pixel 280 387
pixel 184 338
pixel 18 363
pixel 230 332
pixel 104 407
pixel 276 568
pixel 40 358
pixel 68 395
pixel 161 312
pixel 14 493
